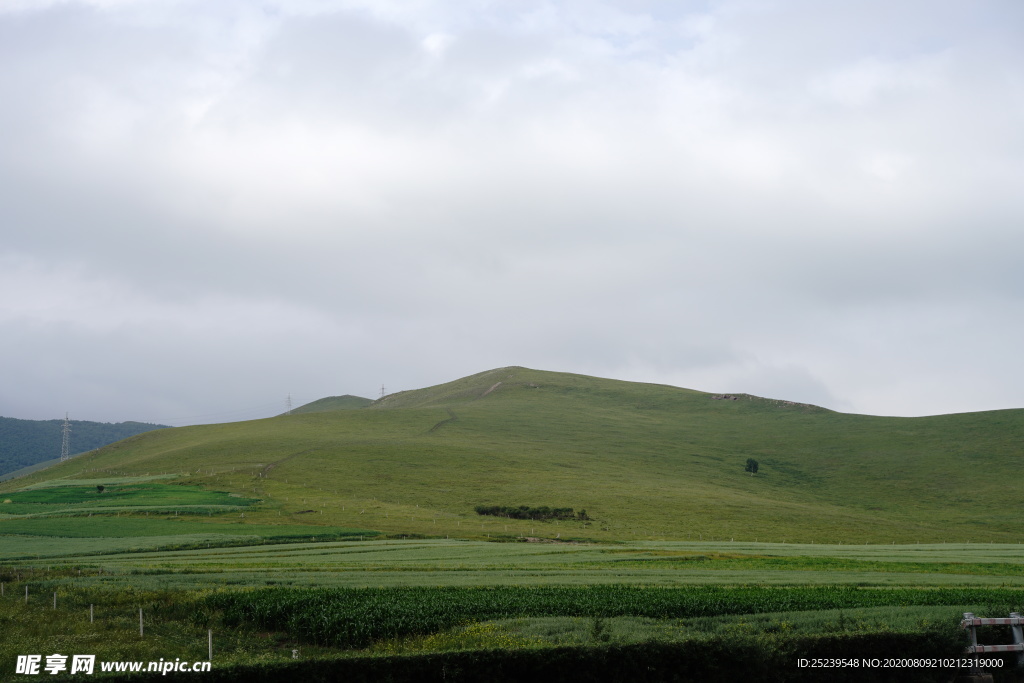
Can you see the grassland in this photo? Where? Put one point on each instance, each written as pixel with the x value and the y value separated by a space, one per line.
pixel 647 462
pixel 913 520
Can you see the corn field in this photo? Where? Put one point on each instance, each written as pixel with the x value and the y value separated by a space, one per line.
pixel 350 617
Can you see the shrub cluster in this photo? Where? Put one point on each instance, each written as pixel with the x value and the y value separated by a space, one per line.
pixel 527 512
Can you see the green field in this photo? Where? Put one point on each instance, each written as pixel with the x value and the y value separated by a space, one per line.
pixel 353 602
pixel 149 497
pixel 858 535
pixel 359 604
pixel 356 562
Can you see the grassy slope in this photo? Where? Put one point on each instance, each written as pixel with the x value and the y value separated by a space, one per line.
pixel 330 403
pixel 23 471
pixel 646 461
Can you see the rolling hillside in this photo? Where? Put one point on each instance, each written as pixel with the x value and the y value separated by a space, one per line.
pixel 645 461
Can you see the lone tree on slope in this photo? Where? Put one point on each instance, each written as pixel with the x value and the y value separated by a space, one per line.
pixel 751 466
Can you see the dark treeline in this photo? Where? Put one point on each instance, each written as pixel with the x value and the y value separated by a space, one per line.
pixel 527 512
pixel 27 442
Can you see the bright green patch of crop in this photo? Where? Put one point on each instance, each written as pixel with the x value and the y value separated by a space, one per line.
pixel 84 499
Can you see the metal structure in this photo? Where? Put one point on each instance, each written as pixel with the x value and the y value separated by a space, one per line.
pixel 65 442
pixel 1016 624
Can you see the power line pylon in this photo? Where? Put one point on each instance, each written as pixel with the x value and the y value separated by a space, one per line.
pixel 65 442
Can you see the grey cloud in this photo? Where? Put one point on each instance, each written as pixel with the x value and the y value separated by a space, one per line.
pixel 791 197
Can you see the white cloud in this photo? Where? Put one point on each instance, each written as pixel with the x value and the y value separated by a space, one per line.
pixel 871 79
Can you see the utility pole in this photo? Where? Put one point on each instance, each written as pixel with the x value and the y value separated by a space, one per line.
pixel 65 442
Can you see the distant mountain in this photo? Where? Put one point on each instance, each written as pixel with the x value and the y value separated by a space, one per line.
pixel 24 443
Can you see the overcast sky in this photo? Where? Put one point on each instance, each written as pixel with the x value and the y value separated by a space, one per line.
pixel 208 206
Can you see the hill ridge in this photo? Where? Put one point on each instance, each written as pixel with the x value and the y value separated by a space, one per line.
pixel 645 460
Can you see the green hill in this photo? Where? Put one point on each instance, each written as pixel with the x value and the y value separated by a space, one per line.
pixel 346 402
pixel 25 443
pixel 644 461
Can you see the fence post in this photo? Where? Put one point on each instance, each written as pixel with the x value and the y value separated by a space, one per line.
pixel 1018 637
pixel 211 644
pixel 140 622
pixel 969 617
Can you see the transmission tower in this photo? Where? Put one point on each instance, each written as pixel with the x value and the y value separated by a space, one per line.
pixel 65 442
pixel 288 405
pixel 382 391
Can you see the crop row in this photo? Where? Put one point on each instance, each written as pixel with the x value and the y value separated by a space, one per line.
pixel 354 617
